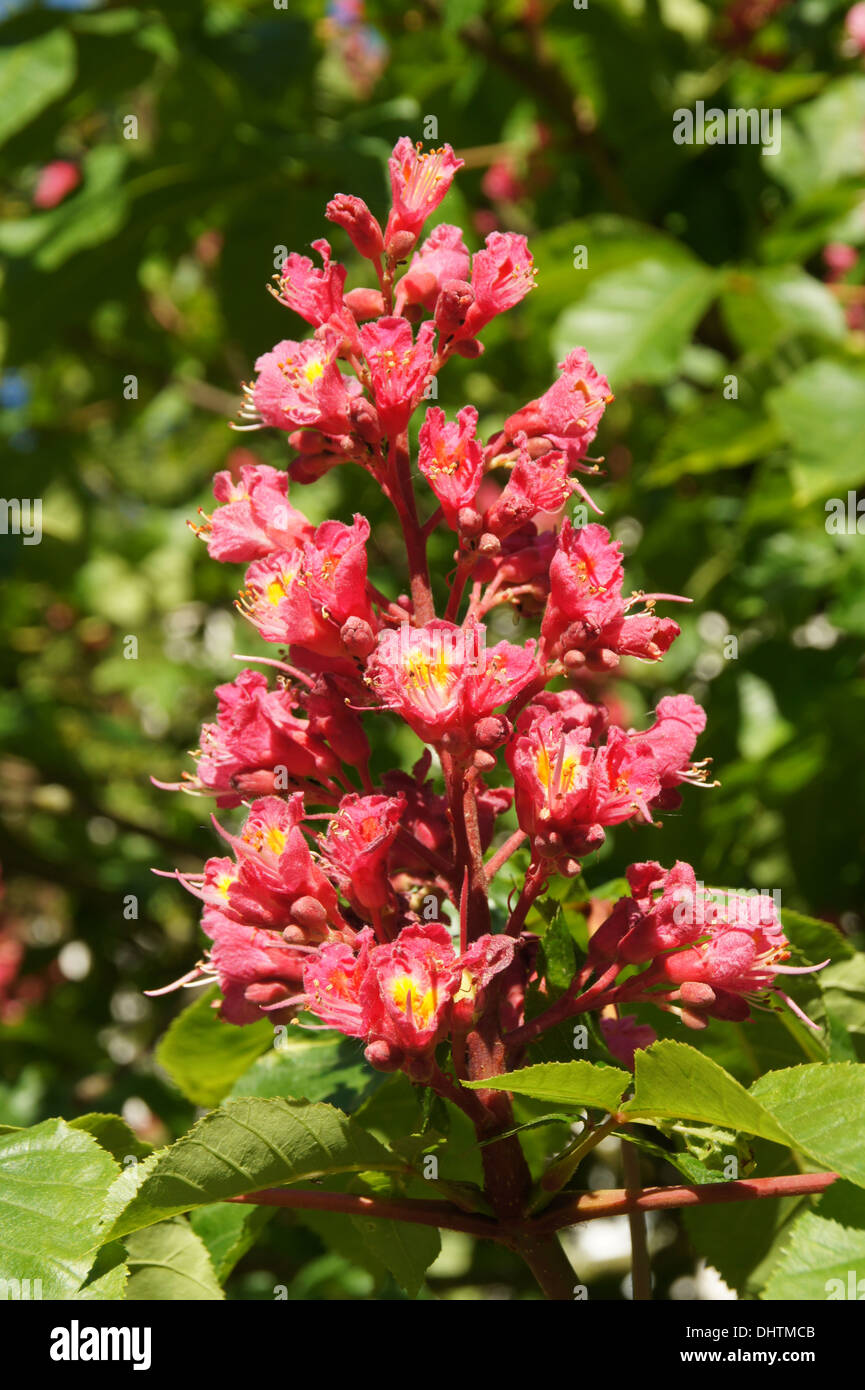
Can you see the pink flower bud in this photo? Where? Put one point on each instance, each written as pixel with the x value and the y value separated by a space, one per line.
pixel 355 218
pixel 469 347
pixel 455 299
pixel 400 246
pixel 273 993
pixel 365 303
pixel 384 1056
pixel 365 421
pixel 357 637
pixel 492 731
pixel 469 522
pixel 692 992
pixel 308 913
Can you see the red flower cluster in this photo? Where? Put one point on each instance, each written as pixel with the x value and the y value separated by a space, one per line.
pixel 348 922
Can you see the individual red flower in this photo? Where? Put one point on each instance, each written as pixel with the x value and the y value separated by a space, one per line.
pixel 300 384
pixel 256 731
pixel 259 974
pixel 441 679
pixel 679 720
pixel 536 488
pixel 568 791
pixel 407 991
pixel 443 256
pixel 569 412
pixel 255 518
pixel 277 882
pixel 419 182
pixel 356 846
pixel 502 275
pixel 316 295
pixel 332 980
pixel 479 965
pixel 587 614
pixel 451 459
pixel 399 368
pixel 304 597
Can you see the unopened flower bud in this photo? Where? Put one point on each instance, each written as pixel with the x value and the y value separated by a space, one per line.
pixel 469 347
pixel 539 446
pixel 365 303
pixel 603 660
pixel 357 637
pixel 400 246
pixel 353 215
pixel 692 992
pixel 384 1056
pixel 573 661
pixel 692 1019
pixel 307 441
pixel 308 468
pixel 489 544
pixel 308 913
pixel 483 761
pixel 569 867
pixel 267 992
pixel 492 731
pixel 470 522
pixel 364 418
pixel 261 783
pixel 455 299
pixel 294 934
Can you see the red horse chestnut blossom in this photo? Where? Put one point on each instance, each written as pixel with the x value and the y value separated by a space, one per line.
pixel 357 896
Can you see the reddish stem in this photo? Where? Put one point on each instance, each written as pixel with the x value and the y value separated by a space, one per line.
pixel 503 854
pixel 588 1206
pixel 402 493
pixel 440 1214
pixel 467 845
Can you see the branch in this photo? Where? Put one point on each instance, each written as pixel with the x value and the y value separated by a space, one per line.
pixel 618 1201
pixel 440 1214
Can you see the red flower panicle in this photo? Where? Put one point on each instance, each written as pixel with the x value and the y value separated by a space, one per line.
pixel 378 924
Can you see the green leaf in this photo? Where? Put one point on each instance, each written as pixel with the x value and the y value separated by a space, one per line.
pixel 675 1081
pixel 718 434
pixel 312 1068
pixel 745 1262
pixel 404 1249
pixel 815 939
pixel 228 1230
pixel 246 1145
pixel 32 75
pixel 564 1083
pixel 817 1108
pixel 204 1056
pixel 763 308
pixel 169 1262
pixel 824 1257
pixel 636 322
pixel 106 1281
pixel 114 1135
pixel 822 142
pixel 93 216
pixel 821 412
pixel 53 1185
pixel 822 1106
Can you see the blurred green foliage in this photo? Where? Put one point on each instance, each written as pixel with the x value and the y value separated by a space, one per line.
pixel 209 137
